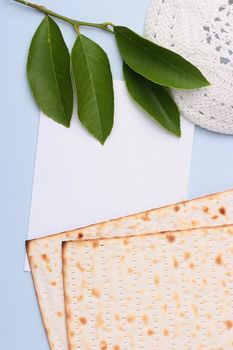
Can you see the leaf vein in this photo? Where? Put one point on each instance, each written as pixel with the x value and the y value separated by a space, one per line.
pixel 93 87
pixel 161 58
pixel 54 70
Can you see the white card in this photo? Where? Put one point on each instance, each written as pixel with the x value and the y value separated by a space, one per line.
pixel 78 181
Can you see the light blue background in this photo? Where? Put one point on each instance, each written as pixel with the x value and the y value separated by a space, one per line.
pixel 212 164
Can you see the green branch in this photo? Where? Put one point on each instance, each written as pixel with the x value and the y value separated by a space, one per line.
pixel 75 23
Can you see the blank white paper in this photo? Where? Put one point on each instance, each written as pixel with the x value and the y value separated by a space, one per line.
pixel 78 181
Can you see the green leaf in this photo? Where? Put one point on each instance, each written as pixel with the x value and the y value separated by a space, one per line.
pixel 48 70
pixel 156 63
pixel 94 86
pixel 154 99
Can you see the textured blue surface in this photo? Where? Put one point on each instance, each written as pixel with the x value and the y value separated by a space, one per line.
pixel 212 165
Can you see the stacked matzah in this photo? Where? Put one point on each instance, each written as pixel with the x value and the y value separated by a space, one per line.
pixel 97 291
pixel 148 292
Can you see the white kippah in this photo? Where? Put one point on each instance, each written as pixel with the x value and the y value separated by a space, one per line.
pixel 202 32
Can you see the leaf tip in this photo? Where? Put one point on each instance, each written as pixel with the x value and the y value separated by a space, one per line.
pixel 205 82
pixel 102 141
pixel 67 125
pixel 176 132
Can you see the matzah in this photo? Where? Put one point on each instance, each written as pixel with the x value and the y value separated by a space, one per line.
pixel 168 291
pixel 45 253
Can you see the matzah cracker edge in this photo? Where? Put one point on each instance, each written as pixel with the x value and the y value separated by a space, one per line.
pixel 45 253
pixel 150 292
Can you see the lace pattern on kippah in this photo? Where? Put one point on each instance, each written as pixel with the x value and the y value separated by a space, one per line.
pixel 202 32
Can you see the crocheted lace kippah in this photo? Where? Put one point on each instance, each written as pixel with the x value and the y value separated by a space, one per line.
pixel 202 32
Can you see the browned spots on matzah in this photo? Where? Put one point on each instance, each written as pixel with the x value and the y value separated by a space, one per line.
pixel 222 210
pixel 228 324
pixel 176 208
pixel 99 320
pixel 125 241
pixel 72 334
pixel 185 222
pixel 218 259
pixel 53 283
pixel 117 317
pixel 166 332
pixel 45 258
pixel 79 266
pixel 35 266
pixel 145 319
pixel 130 318
pixel 116 347
pixel 175 262
pixel 59 314
pixel 80 235
pixel 187 255
pixel 95 244
pixel 214 217
pixel 122 258
pixel 80 297
pixel 195 310
pixel 84 284
pixel 146 217
pixel 165 307
pixel 96 292
pixel 157 279
pixel 192 266
pixel 176 297
pixel 150 332
pixel 171 238
pixel 103 345
pixel 48 268
pixel 204 281
pixel 205 209
pixel 155 261
pixel 83 320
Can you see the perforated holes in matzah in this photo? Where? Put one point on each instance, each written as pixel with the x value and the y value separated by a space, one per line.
pixel 151 291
